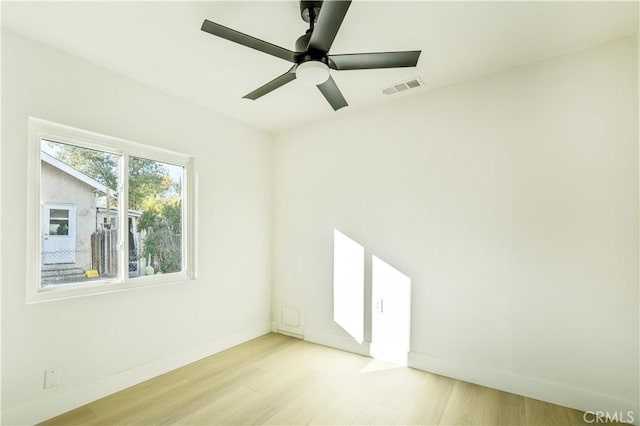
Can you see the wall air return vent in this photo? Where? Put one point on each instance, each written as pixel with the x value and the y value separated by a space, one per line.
pixel 412 83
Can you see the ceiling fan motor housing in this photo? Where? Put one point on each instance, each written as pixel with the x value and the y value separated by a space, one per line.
pixel 307 54
pixel 303 41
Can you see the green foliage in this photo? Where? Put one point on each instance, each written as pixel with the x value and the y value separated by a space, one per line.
pixel 98 165
pixel 147 178
pixel 162 221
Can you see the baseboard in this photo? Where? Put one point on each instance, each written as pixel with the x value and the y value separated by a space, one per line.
pixel 55 404
pixel 336 341
pixel 556 393
pixel 288 333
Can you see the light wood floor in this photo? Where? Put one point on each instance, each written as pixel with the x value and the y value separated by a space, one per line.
pixel 275 379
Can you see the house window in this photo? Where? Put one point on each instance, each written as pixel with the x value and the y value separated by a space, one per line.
pixel 108 214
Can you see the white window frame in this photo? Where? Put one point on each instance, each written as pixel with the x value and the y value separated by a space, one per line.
pixel 41 129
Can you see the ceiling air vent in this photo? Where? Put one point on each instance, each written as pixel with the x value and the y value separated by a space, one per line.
pixel 412 83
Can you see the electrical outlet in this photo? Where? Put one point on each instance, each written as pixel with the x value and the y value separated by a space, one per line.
pixel 52 378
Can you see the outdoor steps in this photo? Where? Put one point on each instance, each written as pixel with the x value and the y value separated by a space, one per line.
pixel 62 274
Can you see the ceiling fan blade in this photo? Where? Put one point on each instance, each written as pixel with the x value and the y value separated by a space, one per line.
pixel 273 84
pixel 248 41
pixel 332 94
pixel 363 61
pixel 330 18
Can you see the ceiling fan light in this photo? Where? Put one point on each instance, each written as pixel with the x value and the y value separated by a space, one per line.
pixel 312 72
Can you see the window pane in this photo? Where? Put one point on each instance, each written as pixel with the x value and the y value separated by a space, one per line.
pixel 155 217
pixel 79 204
pixel 58 222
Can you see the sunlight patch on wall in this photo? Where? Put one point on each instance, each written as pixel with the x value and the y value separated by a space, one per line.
pixel 348 285
pixel 391 313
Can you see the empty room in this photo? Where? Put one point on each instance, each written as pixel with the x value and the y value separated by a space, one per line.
pixel 308 212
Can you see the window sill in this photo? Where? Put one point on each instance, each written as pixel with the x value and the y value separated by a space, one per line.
pixel 76 290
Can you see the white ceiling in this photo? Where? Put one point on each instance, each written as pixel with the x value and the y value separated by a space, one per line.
pixel 160 44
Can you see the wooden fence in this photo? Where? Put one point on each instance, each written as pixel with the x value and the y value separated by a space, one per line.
pixel 104 252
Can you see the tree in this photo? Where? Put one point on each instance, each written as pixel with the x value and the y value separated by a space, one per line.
pixel 147 178
pixel 98 165
pixel 162 222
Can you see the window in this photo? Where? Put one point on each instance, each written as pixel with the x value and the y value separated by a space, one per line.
pixel 106 214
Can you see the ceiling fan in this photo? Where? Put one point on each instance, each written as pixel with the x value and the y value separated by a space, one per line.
pixel 311 60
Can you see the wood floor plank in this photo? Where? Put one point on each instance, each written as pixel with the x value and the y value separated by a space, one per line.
pixel 344 409
pixel 429 401
pixel 278 393
pixel 503 409
pixel 303 409
pixel 276 379
pixel 465 406
pixel 377 414
pixel 79 416
pixel 261 408
pixel 132 403
pixel 233 402
pixel 544 413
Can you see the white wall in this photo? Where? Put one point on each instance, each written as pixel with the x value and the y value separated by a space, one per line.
pixel 511 201
pixel 109 341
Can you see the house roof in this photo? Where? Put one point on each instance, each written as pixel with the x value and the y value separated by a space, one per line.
pixel 115 211
pixel 49 159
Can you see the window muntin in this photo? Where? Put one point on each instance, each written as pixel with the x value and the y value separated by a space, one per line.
pixel 81 188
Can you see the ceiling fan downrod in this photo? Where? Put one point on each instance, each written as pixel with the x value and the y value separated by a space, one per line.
pixel 309 11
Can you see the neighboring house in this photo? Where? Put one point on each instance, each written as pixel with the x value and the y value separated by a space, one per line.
pixel 73 210
pixel 110 221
